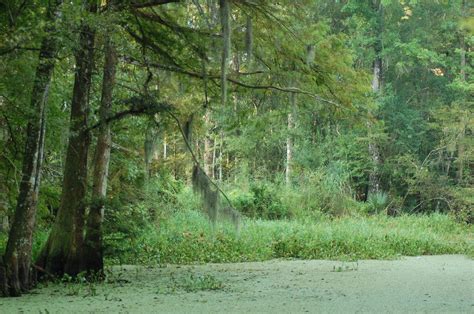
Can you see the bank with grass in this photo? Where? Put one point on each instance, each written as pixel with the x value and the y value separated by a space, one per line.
pixel 187 237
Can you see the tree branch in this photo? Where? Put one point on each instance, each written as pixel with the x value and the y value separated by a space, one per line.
pixel 139 107
pixel 171 25
pixel 433 199
pixel 5 51
pixel 178 69
pixel 144 40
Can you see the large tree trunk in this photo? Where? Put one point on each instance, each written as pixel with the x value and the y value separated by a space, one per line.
pixel 16 274
pixel 63 250
pixel 374 176
pixel 93 250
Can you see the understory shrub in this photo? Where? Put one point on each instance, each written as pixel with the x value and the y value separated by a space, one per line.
pixel 324 191
pixel 462 203
pixel 262 201
pixel 376 203
pixel 122 227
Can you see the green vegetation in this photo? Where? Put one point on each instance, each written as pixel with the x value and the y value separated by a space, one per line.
pixel 154 132
pixel 186 237
pixel 196 282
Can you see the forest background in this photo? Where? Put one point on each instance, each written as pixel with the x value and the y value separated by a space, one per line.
pixel 322 129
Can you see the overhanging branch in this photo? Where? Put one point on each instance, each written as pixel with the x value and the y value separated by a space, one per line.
pixel 145 41
pixel 178 69
pixel 171 25
pixel 139 106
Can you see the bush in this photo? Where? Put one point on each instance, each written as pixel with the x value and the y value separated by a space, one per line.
pixel 122 227
pixel 462 203
pixel 244 203
pixel 324 191
pixel 376 203
pixel 262 201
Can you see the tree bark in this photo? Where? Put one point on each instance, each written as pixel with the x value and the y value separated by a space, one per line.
pixel 63 250
pixel 16 275
pixel 93 261
pixel 4 224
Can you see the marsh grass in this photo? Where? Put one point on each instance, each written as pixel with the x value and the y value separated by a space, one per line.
pixel 187 238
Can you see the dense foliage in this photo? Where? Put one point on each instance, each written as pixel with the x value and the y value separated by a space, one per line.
pixel 299 111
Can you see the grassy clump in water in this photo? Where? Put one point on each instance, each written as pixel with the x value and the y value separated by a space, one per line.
pixel 187 238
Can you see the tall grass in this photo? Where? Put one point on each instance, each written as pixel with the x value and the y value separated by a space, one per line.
pixel 187 238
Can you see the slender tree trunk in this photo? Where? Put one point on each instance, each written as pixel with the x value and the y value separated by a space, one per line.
pixel 221 147
pixel 289 139
pixel 374 180
pixel 460 159
pixel 208 147
pixel 15 273
pixel 175 155
pixel 93 250
pixel 214 157
pixel 461 148
pixel 150 148
pixel 224 7
pixel 374 176
pixel 249 39
pixel 377 74
pixel 165 147
pixel 463 45
pixel 63 250
pixel 463 58
pixel 289 145
pixel 448 162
